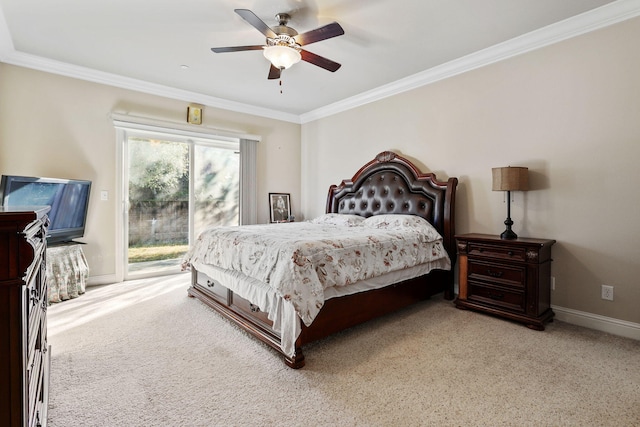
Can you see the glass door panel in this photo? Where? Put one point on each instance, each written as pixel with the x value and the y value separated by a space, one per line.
pixel 158 205
pixel 216 187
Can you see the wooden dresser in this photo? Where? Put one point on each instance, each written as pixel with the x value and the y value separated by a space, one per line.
pixel 24 352
pixel 506 278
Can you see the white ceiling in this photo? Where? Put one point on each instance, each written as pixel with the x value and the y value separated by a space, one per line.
pixel 387 46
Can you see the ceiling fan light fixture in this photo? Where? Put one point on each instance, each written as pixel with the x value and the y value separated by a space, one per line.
pixel 282 57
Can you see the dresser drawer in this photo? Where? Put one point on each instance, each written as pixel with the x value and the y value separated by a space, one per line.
pixel 251 309
pixel 42 336
pixel 35 324
pixel 497 252
pixel 213 287
pixel 36 288
pixel 513 275
pixel 34 375
pixel 36 238
pixel 496 296
pixel 33 296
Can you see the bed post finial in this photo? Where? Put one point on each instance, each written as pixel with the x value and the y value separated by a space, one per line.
pixel 386 156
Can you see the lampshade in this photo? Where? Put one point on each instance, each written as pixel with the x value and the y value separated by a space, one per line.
pixel 510 179
pixel 282 56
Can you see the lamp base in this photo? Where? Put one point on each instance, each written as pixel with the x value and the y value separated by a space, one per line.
pixel 508 235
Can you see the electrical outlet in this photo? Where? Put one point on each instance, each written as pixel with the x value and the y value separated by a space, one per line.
pixel 104 195
pixel 607 292
pixel 553 283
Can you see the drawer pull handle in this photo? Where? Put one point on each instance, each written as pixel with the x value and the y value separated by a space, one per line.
pixel 494 273
pixel 211 283
pixel 510 253
pixel 254 308
pixel 34 297
pixel 496 296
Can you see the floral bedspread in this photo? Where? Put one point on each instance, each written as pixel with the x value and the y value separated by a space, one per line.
pixel 299 260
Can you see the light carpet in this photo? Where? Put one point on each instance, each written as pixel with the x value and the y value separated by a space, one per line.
pixel 142 353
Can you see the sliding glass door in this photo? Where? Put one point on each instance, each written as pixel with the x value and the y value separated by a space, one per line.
pixel 175 187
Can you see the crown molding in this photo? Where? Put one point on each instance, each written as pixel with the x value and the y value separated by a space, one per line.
pixel 601 17
pixel 609 14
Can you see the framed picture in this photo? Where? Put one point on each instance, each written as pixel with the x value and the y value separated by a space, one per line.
pixel 194 115
pixel 280 207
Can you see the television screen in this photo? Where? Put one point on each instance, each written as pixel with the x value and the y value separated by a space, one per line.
pixel 68 199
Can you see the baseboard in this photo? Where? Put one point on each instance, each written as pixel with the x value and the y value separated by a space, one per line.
pixel 105 279
pixel 109 279
pixel 597 322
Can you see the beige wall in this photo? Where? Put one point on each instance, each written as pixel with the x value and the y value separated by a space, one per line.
pixel 570 112
pixel 60 127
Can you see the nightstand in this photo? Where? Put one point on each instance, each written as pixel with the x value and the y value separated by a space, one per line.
pixel 506 278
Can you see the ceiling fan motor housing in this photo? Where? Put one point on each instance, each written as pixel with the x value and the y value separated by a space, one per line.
pixel 285 34
pixel 282 28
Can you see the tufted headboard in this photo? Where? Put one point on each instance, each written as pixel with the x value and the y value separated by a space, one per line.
pixel 391 184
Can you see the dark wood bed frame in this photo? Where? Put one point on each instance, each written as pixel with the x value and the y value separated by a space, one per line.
pixel 389 184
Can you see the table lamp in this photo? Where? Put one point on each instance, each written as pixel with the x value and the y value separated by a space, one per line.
pixel 510 179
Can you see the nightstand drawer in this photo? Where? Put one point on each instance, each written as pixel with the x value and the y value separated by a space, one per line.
pixel 496 296
pixel 498 252
pixel 509 275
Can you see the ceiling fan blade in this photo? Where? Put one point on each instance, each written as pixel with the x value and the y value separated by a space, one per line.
pixel 258 23
pixel 320 61
pixel 322 33
pixel 236 48
pixel 274 73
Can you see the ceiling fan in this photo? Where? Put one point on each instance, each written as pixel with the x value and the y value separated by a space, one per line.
pixel 283 46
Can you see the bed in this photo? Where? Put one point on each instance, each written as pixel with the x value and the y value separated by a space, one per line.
pixel 388 193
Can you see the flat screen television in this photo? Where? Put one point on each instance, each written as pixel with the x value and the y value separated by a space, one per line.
pixel 68 199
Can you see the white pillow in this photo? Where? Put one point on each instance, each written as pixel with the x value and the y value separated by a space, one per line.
pixel 345 220
pixel 398 221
